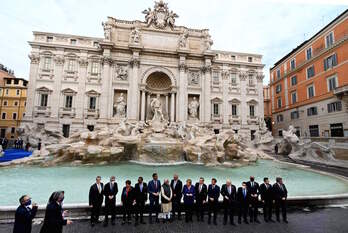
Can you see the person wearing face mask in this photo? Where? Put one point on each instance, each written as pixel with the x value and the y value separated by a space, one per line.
pixel 24 215
pixel 280 194
pixel 96 200
pixel 266 193
pixel 253 188
pixel 54 215
pixel 243 197
pixel 110 192
pixel 213 200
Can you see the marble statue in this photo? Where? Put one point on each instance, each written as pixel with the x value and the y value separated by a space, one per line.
pixel 121 73
pixel 156 107
pixel 208 42
pixel 160 16
pixel 135 36
pixel 183 40
pixel 193 108
pixel 107 31
pixel 120 106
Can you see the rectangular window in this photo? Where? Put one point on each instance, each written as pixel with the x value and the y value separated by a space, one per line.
pixel 294 97
pixel 16 81
pixel 294 115
pixel 314 130
pixel 68 101
pixel 13 130
pixel 280 118
pixel 14 116
pixel 309 53
pixel 95 68
pixel 278 74
pixel 279 101
pixel 312 111
pixel 331 83
pixel 252 110
pixel 310 92
pixel 216 109
pixel 337 130
pixel 278 88
pixel 66 131
pixel 293 64
pixel 234 110
pixel 250 59
pixel 329 40
pixel 234 78
pixel 334 107
pixel 47 63
pixel 49 38
pixel 16 103
pixel 18 92
pixel 251 80
pixel 5 103
pixel 95 44
pixel 215 77
pixel 8 81
pixel 43 100
pixel 3 116
pixel 280 133
pixel 330 62
pixel 73 41
pixel 6 91
pixel 293 80
pixel 71 65
pixel 92 102
pixel 310 71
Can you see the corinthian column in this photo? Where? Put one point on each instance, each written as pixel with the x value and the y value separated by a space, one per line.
pixel 182 98
pixel 172 106
pixel 206 69
pixel 133 93
pixel 104 97
pixel 33 75
pixel 225 112
pixel 142 105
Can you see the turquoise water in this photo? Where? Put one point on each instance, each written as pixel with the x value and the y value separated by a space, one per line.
pixel 40 182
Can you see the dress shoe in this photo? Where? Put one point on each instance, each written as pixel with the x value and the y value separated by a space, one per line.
pixel 105 224
pixel 224 223
pixel 113 223
pixel 278 220
pixel 286 221
pixel 142 222
pixel 157 220
pixel 232 223
pixel 270 220
pixel 215 223
pixel 123 222
pixel 246 222
pixel 92 224
pixel 136 224
pixel 257 221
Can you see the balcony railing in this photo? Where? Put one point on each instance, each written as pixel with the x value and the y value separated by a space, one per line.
pixel 63 111
pixel 91 113
pixel 234 119
pixel 42 110
pixel 216 117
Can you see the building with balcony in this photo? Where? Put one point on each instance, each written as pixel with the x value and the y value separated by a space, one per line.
pixel 309 85
pixel 83 82
pixel 13 97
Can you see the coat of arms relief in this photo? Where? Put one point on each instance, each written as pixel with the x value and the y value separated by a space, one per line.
pixel 160 16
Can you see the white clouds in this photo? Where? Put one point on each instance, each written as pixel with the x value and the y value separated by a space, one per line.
pixel 269 27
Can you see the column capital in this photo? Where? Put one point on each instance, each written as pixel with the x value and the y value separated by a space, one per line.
pixel 134 62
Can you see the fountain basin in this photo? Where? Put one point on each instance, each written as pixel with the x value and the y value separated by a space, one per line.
pixel 40 182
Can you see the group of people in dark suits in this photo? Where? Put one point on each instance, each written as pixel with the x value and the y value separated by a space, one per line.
pixel 244 200
pixel 205 198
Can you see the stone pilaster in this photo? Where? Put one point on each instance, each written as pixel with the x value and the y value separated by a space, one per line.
pixel 182 98
pixel 244 111
pixel 261 110
pixel 225 108
pixel 105 86
pixel 206 70
pixel 57 86
pixel 81 92
pixel 31 93
pixel 133 93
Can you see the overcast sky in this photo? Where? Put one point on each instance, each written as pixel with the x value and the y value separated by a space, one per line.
pixel 268 27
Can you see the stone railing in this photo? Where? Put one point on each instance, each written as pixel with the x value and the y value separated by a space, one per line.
pixel 42 110
pixel 91 113
pixel 63 111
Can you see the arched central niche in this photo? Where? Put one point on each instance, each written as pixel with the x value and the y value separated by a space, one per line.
pixel 158 81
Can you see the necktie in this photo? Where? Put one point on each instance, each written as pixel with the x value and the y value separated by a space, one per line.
pixel 229 190
pixel 244 194
pixel 156 185
pixel 281 187
pixel 200 188
pixel 98 185
pixel 111 186
pixel 252 184
pixel 141 188
pixel 174 184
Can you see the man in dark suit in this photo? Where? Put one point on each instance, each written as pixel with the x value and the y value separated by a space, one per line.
pixel 201 198
pixel 176 186
pixel 253 188
pixel 24 215
pixel 266 193
pixel 229 193
pixel 213 200
pixel 110 192
pixel 243 197
pixel 154 189
pixel 140 190
pixel 96 200
pixel 280 196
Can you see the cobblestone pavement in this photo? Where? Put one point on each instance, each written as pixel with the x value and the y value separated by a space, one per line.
pixel 327 220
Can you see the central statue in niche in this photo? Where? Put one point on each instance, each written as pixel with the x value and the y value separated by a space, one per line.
pixel 158 122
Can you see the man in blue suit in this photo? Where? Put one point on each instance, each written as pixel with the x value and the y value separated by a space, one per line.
pixel 213 200
pixel 154 189
pixel 24 215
